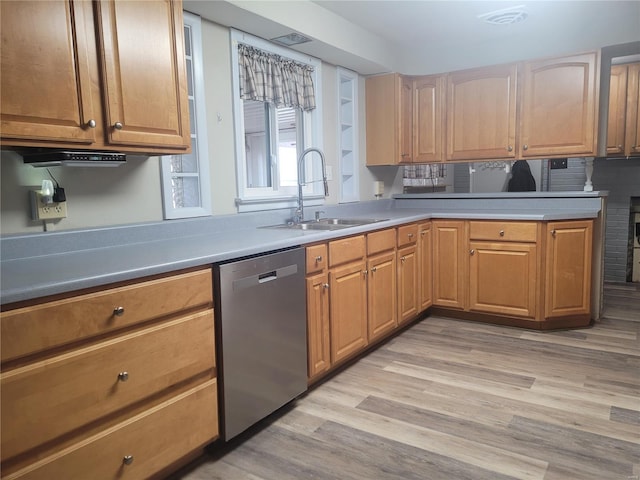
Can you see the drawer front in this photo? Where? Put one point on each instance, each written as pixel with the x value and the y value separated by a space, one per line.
pixel 316 258
pixel 346 250
pixel 36 328
pixel 407 234
pixel 49 398
pixel 154 439
pixel 504 231
pixel 381 241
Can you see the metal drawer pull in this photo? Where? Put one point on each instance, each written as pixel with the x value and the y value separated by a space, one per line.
pixel 553 233
pixel 472 251
pixel 123 376
pixel 117 126
pixel 525 147
pixel 318 258
pixel 510 148
pixel 118 311
pixel 402 259
pixel 502 233
pixel 91 123
pixel 374 269
pixel 325 285
pixel 127 459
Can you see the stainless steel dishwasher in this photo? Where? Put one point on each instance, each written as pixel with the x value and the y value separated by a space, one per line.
pixel 262 329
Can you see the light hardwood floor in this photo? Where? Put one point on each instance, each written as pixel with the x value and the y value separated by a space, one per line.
pixel 450 399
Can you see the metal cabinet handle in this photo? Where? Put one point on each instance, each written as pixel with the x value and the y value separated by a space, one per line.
pixel 402 259
pixel 127 459
pixel 318 258
pixel 472 252
pixel 404 154
pixel 553 233
pixel 117 126
pixel 123 376
pixel 91 123
pixel 502 233
pixel 510 148
pixel 619 147
pixel 374 269
pixel 325 285
pixel 118 311
pixel 423 232
pixel 525 147
pixel 365 272
pixel 410 235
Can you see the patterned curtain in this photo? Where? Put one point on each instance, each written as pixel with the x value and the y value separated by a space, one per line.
pixel 270 78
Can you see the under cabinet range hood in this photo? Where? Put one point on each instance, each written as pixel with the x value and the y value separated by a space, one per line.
pixel 67 158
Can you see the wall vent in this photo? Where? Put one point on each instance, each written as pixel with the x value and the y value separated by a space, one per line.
pixel 291 39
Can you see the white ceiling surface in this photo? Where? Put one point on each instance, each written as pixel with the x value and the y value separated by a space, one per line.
pixel 426 36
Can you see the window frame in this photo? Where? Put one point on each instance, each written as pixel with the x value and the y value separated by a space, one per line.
pixel 199 140
pixel 274 197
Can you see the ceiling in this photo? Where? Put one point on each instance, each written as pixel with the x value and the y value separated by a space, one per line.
pixel 426 36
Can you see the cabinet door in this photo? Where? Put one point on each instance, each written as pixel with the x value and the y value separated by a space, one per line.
pixel 503 278
pixel 559 106
pixel 405 126
pixel 383 118
pixel 449 263
pixel 348 306
pixel 481 113
pixel 407 283
pixel 568 268
pixel 428 95
pixel 381 293
pixel 425 245
pixel 617 109
pixel 144 76
pixel 632 136
pixel 318 340
pixel 45 72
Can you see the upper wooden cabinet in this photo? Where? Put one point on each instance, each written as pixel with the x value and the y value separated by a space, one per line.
pixel 623 128
pixel 104 75
pixel 481 113
pixel 404 119
pixel 559 107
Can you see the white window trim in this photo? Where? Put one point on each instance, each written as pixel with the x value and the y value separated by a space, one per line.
pixel 201 144
pixel 256 199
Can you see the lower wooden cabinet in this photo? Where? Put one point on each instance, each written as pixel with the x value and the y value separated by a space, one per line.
pixel 425 257
pixel 408 287
pixel 449 263
pixel 318 332
pixel 129 397
pixel 381 294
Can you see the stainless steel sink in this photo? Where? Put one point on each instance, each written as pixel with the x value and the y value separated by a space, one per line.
pixel 327 223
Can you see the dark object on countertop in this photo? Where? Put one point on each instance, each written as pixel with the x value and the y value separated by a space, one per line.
pixel 521 178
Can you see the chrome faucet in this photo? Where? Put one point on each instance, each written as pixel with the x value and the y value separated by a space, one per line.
pixel 298 215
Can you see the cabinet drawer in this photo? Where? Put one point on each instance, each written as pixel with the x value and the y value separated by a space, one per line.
pixel 407 234
pixel 36 328
pixel 346 250
pixel 54 396
pixel 150 438
pixel 505 231
pixel 381 241
pixel 316 258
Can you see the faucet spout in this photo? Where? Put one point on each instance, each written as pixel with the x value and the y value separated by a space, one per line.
pixel 299 212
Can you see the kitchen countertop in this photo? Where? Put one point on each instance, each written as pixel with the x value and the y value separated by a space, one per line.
pixel 38 265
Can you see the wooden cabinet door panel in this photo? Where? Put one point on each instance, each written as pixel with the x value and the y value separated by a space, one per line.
pixel 381 293
pixel 617 109
pixel 54 396
pixel 383 119
pixel 348 306
pixel 568 268
pixel 481 113
pixel 405 126
pixel 144 77
pixel 559 106
pixel 316 258
pixel 632 131
pixel 426 265
pixel 46 97
pixel 503 278
pixel 150 438
pixel 407 283
pixel 319 340
pixel 428 119
pixel 449 263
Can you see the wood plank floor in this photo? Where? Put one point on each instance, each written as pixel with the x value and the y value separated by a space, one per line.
pixel 450 399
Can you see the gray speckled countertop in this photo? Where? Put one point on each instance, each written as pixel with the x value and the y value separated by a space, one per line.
pixel 38 265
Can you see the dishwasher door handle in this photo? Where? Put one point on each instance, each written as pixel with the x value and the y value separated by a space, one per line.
pixel 268 276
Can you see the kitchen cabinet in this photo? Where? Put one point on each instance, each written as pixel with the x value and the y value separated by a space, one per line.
pixel 568 268
pixel 111 375
pixel 382 311
pixel 93 76
pixel 348 297
pixel 318 330
pixel 408 264
pixel 503 269
pixel 404 119
pixel 425 252
pixel 481 113
pixel 559 107
pixel 623 128
pixel 450 263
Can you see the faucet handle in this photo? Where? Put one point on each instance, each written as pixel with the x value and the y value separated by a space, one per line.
pixel 318 215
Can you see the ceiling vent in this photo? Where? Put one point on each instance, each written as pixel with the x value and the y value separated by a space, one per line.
pixel 505 16
pixel 291 39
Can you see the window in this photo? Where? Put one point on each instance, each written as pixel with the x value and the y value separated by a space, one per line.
pixel 185 178
pixel 269 140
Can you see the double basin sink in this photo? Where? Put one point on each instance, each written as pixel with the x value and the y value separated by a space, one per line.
pixel 327 224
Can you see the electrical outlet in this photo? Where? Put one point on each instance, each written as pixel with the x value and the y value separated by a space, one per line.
pixel 42 211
